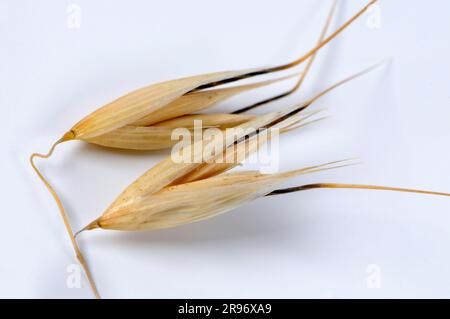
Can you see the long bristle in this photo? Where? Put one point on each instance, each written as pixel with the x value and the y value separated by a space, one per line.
pixel 302 76
pixel 293 63
pixel 354 186
pixel 308 103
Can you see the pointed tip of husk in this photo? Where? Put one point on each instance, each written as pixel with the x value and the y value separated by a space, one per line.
pixel 93 225
pixel 68 136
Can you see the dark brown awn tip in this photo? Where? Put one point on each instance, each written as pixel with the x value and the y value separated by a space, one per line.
pixel 305 72
pixel 309 102
pixel 71 135
pixel 67 137
pixel 353 186
pixel 293 63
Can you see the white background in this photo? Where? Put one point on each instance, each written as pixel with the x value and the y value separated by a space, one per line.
pixel 313 244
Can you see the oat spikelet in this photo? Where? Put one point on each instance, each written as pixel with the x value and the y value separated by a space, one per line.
pixel 200 100
pixel 137 105
pixel 190 202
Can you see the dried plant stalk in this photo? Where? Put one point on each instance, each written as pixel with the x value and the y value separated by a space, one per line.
pixel 67 225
